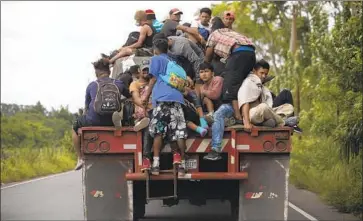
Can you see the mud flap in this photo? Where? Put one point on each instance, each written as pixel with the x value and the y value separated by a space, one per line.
pixel 106 193
pixel 264 195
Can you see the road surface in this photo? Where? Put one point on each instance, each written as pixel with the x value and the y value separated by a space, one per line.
pixel 59 197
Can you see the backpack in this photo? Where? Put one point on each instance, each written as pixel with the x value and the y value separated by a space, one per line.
pixel 128 112
pixel 175 76
pixel 108 98
pixel 132 38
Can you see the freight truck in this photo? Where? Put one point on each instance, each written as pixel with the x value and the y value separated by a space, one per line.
pixel 252 174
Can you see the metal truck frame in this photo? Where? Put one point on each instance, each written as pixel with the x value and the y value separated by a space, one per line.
pixel 252 175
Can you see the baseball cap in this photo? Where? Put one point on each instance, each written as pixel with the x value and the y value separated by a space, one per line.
pixel 142 67
pixel 175 11
pixel 228 14
pixel 150 14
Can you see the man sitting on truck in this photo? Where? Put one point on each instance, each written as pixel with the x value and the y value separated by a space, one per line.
pixel 255 100
pixel 147 32
pixel 150 16
pixel 167 118
pixel 211 90
pixel 101 107
pixel 202 26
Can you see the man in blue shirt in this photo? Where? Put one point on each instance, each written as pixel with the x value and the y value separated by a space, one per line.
pixel 90 117
pixel 167 121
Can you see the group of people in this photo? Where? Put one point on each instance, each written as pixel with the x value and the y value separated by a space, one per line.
pixel 202 75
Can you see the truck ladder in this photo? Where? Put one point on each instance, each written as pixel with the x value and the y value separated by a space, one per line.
pixel 175 184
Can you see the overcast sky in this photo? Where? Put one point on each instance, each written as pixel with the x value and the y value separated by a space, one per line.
pixel 47 47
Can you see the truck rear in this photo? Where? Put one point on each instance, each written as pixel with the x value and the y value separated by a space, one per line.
pixel 252 174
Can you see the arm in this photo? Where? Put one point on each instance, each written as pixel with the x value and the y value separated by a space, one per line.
pixel 143 32
pixel 191 31
pixel 136 98
pixel 149 90
pixel 215 91
pixel 87 99
pixel 209 54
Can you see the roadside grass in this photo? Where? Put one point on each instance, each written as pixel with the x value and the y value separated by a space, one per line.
pixel 18 164
pixel 317 165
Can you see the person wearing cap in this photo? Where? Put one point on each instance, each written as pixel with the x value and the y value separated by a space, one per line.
pixel 150 16
pixel 171 26
pixel 228 19
pixel 147 32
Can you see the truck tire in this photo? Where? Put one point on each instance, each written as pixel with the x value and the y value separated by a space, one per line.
pixel 139 202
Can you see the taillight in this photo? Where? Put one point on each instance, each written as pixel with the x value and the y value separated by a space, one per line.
pixel 91 146
pixel 281 146
pixel 104 146
pixel 268 146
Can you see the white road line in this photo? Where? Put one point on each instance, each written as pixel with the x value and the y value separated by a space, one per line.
pixel 297 209
pixel 38 179
pixel 302 212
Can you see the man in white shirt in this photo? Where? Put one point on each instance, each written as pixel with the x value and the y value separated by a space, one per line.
pixel 202 25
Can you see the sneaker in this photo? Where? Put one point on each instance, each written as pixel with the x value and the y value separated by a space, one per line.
pixel 213 155
pixel 141 124
pixel 297 129
pixel 209 118
pixel 292 121
pixel 177 158
pixel 146 164
pixel 155 170
pixel 116 119
pixel 181 170
pixel 79 165
pixel 229 121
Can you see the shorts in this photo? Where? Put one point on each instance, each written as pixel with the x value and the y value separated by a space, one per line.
pixel 79 122
pixel 190 113
pixel 168 121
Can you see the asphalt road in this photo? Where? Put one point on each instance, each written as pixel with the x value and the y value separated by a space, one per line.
pixel 59 197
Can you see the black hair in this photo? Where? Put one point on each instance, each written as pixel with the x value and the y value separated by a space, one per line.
pixel 217 24
pixel 102 64
pixel 205 65
pixel 262 64
pixel 206 10
pixel 134 69
pixel 160 42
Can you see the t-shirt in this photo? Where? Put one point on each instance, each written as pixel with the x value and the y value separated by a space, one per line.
pixel 213 90
pixel 91 93
pixel 169 28
pixel 204 30
pixel 141 87
pixel 162 91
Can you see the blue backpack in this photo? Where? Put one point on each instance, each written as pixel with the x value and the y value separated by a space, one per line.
pixel 175 76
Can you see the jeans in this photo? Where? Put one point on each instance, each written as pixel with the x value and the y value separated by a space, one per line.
pixel 225 110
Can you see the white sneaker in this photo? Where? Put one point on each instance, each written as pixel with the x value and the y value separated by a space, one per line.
pixel 141 124
pixel 116 119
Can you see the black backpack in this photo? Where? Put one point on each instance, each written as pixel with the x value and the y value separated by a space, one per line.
pixel 108 97
pixel 128 112
pixel 132 38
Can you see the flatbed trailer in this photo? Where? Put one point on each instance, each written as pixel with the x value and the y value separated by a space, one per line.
pixel 252 174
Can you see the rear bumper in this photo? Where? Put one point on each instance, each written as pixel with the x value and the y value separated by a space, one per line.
pixel 190 176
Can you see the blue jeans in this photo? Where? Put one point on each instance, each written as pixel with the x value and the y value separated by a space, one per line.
pixel 225 110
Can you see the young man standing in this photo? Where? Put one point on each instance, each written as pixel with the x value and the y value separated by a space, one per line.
pixel 167 121
pixel 94 103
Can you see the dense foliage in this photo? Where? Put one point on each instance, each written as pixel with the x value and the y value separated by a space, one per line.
pixel 34 141
pixel 320 60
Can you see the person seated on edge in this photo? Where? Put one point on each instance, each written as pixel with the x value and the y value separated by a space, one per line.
pixel 167 119
pixel 171 26
pixel 147 32
pixel 239 53
pixel 150 16
pixel 228 19
pixel 202 25
pixel 101 107
pixel 255 100
pixel 211 90
pixel 283 105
